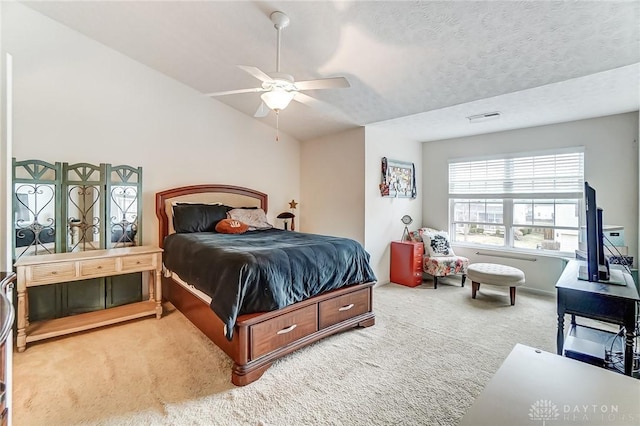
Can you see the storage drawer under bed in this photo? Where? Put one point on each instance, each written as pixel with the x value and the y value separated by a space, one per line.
pixel 282 330
pixel 343 307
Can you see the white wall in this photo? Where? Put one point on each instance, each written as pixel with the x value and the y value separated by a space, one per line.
pixel 382 214
pixel 76 100
pixel 332 185
pixel 611 166
pixel 5 164
pixel 340 175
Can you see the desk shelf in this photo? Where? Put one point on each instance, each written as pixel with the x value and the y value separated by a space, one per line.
pixel 581 338
pixel 587 344
pixel 61 326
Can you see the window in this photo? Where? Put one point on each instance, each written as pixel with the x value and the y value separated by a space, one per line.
pixel 525 202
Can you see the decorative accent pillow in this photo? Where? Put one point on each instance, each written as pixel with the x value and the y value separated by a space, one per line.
pixel 415 236
pixel 255 218
pixel 191 217
pixel 231 226
pixel 422 231
pixel 437 244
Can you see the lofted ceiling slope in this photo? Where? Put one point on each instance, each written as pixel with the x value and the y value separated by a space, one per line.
pixel 402 58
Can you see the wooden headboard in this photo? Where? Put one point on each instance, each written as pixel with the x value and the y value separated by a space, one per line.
pixel 235 196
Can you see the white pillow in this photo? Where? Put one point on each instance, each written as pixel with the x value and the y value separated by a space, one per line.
pixel 255 218
pixel 437 244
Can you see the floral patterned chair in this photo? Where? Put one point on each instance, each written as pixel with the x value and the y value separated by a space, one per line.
pixel 439 259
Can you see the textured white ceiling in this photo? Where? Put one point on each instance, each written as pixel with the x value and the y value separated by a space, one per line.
pixel 401 58
pixel 609 92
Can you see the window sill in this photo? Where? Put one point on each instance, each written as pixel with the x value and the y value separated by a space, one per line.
pixel 538 253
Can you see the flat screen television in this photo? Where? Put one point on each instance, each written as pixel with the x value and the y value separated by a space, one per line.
pixel 597 267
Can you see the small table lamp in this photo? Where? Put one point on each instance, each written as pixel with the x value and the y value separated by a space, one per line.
pixel 286 216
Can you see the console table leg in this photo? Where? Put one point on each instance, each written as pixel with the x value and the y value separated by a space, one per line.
pixel 152 286
pixel 26 308
pixel 560 336
pixel 158 284
pixel 22 316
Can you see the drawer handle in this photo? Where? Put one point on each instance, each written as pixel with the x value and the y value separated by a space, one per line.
pixel 346 307
pixel 138 262
pixel 99 267
pixel 288 329
pixel 54 272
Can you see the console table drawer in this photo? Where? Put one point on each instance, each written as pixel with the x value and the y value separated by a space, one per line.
pixel 279 331
pixel 133 263
pixel 97 267
pixel 52 273
pixel 340 308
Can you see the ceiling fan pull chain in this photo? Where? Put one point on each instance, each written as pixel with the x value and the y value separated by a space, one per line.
pixel 277 126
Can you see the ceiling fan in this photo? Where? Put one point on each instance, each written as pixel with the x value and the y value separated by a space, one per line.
pixel 279 89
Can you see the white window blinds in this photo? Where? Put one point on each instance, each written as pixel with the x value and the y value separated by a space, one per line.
pixel 555 175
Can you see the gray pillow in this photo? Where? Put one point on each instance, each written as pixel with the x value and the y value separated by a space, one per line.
pixel 255 218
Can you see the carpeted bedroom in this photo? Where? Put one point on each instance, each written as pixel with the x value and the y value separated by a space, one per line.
pixel 429 355
pixel 317 213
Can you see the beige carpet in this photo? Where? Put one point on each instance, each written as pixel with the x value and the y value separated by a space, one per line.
pixel 429 355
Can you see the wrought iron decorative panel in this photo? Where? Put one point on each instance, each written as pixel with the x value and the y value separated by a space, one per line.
pixel 124 188
pixel 36 213
pixel 83 185
pixel 62 207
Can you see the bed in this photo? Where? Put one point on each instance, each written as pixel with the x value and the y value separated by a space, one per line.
pixel 255 334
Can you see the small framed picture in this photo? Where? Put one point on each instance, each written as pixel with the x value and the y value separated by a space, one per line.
pixel 398 179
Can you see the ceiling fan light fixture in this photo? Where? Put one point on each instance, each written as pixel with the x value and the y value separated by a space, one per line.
pixel 279 89
pixel 277 99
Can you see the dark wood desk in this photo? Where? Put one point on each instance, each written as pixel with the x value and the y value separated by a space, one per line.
pixel 610 303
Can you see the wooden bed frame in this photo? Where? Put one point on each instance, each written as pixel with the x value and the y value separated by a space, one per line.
pixel 260 339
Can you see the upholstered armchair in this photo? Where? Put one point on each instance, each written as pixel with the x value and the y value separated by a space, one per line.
pixel 439 259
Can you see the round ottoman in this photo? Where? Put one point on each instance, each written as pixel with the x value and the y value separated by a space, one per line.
pixel 494 274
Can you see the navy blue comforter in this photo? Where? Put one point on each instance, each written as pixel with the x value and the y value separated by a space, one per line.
pixel 261 271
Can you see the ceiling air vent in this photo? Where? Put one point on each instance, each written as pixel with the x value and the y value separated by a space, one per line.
pixel 484 117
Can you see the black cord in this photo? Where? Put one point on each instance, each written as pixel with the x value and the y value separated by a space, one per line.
pixel 615 360
pixel 623 259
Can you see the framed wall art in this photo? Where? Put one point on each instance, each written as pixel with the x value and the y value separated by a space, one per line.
pixel 398 179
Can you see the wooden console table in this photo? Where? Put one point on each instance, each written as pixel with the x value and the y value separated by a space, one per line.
pixel 63 267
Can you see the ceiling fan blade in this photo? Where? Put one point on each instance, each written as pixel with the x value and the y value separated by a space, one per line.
pixel 323 83
pixel 234 92
pixel 317 104
pixel 262 111
pixel 257 73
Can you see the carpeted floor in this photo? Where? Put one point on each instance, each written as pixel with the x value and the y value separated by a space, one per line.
pixel 429 355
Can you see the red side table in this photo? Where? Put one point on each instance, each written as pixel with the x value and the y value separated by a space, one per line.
pixel 406 262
